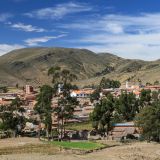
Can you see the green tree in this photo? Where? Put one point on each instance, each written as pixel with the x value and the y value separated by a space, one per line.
pixel 155 96
pixel 64 112
pixel 17 85
pixel 17 105
pixel 95 96
pixel 107 83
pixel 102 114
pixel 59 75
pixel 127 105
pixel 156 83
pixel 43 107
pixel 66 103
pixel 145 98
pixel 12 116
pixel 3 89
pixel 148 120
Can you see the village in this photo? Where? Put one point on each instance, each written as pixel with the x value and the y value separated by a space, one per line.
pixel 81 113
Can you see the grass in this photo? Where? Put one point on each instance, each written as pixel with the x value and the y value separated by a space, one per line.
pixel 85 145
pixel 80 126
pixel 30 148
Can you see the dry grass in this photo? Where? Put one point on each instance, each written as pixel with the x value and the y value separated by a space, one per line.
pixel 38 148
pixel 26 145
pixel 133 151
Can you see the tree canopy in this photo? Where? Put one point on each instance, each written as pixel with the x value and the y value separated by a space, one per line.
pixel 148 120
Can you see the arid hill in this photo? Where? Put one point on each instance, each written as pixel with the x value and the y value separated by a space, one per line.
pixel 30 66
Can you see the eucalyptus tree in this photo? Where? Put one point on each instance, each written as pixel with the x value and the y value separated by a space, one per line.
pixel 145 98
pixel 102 114
pixel 61 76
pixel 66 103
pixel 12 116
pixel 43 107
pixel 64 112
pixel 127 105
pixel 148 120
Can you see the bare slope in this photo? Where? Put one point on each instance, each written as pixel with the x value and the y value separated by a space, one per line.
pixel 30 65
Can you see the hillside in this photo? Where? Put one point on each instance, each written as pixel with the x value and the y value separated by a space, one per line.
pixel 30 65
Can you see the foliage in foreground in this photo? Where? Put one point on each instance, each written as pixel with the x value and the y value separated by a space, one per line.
pixel 149 122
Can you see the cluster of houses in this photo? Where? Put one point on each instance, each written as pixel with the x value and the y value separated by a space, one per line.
pixel 82 111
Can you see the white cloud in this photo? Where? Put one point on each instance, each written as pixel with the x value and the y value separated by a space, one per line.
pixel 36 41
pixel 5 16
pixel 59 11
pixel 136 46
pixel 129 51
pixel 27 28
pixel 5 48
pixel 127 36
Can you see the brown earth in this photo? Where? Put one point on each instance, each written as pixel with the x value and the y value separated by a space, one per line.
pixel 30 66
pixel 133 151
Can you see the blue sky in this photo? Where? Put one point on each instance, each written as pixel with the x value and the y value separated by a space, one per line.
pixel 127 28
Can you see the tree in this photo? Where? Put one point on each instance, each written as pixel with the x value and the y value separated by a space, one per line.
pixel 148 84
pixel 12 116
pixel 17 85
pixel 102 114
pixel 43 107
pixel 16 105
pixel 155 96
pixel 156 83
pixel 3 89
pixel 145 98
pixel 107 83
pixel 64 112
pixel 95 96
pixel 148 120
pixel 61 76
pixel 127 105
pixel 66 103
pixel 18 111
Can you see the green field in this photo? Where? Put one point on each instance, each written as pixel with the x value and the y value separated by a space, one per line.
pixel 80 126
pixel 85 145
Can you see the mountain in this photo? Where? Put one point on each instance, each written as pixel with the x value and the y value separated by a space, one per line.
pixel 30 66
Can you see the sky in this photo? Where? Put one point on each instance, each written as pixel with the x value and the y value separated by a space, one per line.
pixel 127 28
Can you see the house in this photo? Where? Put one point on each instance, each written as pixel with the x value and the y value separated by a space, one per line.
pixel 122 130
pixel 153 88
pixel 29 89
pixel 82 93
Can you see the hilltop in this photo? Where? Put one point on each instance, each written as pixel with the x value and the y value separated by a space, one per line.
pixel 30 65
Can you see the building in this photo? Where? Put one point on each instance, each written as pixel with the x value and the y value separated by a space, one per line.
pixel 82 93
pixel 122 130
pixel 153 88
pixel 29 89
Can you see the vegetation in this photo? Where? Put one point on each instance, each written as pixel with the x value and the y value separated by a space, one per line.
pixel 3 89
pixel 66 103
pixel 127 105
pixel 156 83
pixel 78 145
pixel 145 98
pixel 43 107
pixel 83 62
pixel 107 70
pixel 95 96
pixel 79 126
pixel 12 116
pixel 107 83
pixel 149 121
pixel 102 115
